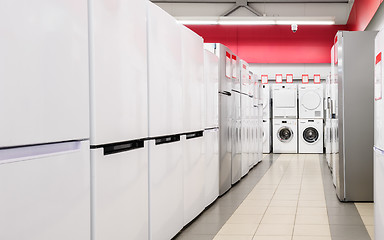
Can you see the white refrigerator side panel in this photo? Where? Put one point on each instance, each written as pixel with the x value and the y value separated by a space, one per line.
pixel 165 73
pixel 379 193
pixel 193 80
pixel 165 190
pixel 46 197
pixel 194 177
pixel 118 66
pixel 379 87
pixel 211 75
pixel 44 71
pixel 211 138
pixel 120 194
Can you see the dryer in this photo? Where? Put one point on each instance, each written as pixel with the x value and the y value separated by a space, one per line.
pixel 266 136
pixel 311 136
pixel 311 101
pixel 284 135
pixel 266 91
pixel 284 100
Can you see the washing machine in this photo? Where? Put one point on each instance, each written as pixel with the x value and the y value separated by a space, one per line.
pixel 284 135
pixel 311 101
pixel 266 136
pixel 311 136
pixel 284 100
pixel 266 91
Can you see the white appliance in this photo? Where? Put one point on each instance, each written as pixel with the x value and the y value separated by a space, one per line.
pixel 260 126
pixel 246 108
pixel 266 101
pixel 284 135
pixel 311 101
pixel 44 124
pixel 284 100
pixel 266 135
pixel 311 135
pixel 328 142
pixel 211 132
pixel 334 147
pixel 379 138
pixel 119 153
pixel 193 141
pixel 165 101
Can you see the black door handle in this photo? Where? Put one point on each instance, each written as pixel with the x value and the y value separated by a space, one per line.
pixel 226 93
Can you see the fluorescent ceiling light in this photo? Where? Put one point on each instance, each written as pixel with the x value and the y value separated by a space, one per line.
pixel 256 20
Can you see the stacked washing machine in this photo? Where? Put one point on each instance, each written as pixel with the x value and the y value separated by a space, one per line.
pixel 310 123
pixel 284 129
pixel 266 99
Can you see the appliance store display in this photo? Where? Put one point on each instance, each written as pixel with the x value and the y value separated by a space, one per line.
pixel 311 135
pixel 284 134
pixel 311 101
pixel 267 136
pixel 354 166
pixel 266 91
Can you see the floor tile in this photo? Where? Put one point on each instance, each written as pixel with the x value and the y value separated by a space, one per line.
pixel 238 229
pixel 311 211
pixel 274 230
pixel 244 219
pixel 233 237
pixel 281 210
pixel 272 238
pixel 312 220
pixel 311 230
pixel 278 219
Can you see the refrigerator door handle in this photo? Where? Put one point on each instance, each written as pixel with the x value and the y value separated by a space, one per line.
pixel 122 147
pixel 194 134
pixel 378 150
pixel 167 139
pixel 25 153
pixel 226 93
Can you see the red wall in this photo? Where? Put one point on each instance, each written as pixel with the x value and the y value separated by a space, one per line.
pixel 274 44
pixel 361 14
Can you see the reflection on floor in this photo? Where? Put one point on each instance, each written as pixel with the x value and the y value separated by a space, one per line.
pixel 287 196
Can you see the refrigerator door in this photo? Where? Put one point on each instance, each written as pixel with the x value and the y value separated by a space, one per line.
pixel 166 194
pixel 193 80
pixel 120 191
pixel 211 139
pixel 379 192
pixel 194 175
pixel 236 141
pixel 244 135
pixel 44 71
pixel 45 192
pixel 164 74
pixel 379 102
pixel 118 71
pixel 211 76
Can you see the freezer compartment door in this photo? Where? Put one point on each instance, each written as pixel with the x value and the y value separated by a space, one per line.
pixel 193 80
pixel 118 66
pixel 379 192
pixel 194 175
pixel 225 145
pixel 45 192
pixel 44 72
pixel 211 138
pixel 165 77
pixel 211 76
pixel 120 192
pixel 165 187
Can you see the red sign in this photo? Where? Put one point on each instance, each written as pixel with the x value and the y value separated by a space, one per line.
pixel 317 78
pixel 264 79
pixel 305 78
pixel 279 78
pixel 289 78
pixel 378 58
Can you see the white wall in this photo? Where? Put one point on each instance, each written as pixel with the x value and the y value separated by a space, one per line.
pixel 296 69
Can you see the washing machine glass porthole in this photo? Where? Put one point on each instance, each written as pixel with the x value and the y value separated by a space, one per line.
pixel 310 135
pixel 285 134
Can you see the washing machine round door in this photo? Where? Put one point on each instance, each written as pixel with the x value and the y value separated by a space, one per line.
pixel 311 135
pixel 285 134
pixel 311 100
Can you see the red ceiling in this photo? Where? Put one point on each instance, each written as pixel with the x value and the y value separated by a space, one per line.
pixel 278 44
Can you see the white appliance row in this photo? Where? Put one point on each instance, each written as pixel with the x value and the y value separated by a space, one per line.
pixel 146 161
pixel 297 135
pixel 304 101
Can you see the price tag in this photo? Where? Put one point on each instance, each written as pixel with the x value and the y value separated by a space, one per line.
pixel 305 78
pixel 264 79
pixel 378 78
pixel 228 66
pixel 316 78
pixel 289 78
pixel 279 78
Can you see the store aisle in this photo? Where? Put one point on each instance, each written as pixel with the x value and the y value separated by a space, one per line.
pixel 293 200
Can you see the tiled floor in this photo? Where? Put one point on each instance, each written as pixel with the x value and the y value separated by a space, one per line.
pixel 287 196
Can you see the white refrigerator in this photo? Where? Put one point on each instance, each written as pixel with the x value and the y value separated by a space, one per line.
pixel 379 137
pixel 211 131
pixel 165 102
pixel 44 124
pixel 119 119
pixel 246 105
